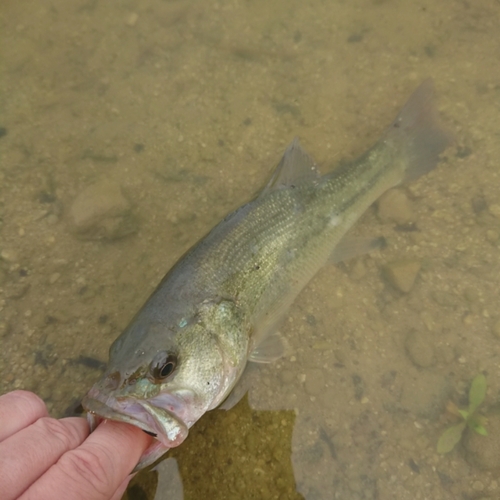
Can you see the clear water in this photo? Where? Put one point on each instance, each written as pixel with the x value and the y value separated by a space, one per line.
pixel 188 106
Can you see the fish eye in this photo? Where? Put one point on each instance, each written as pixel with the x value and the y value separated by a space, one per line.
pixel 162 366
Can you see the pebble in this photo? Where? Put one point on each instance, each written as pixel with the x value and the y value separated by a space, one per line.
pixel 420 349
pixel 54 277
pixel 8 255
pixel 394 206
pixel 483 452
pixel 102 212
pixel 495 210
pixel 401 274
pixel 132 19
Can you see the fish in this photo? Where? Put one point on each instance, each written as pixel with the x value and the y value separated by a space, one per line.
pixel 219 306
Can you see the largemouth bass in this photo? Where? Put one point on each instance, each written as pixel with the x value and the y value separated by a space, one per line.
pixel 218 307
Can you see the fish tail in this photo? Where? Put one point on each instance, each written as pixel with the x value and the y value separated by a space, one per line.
pixel 417 133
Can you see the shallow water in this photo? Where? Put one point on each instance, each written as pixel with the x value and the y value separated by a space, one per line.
pixel 188 106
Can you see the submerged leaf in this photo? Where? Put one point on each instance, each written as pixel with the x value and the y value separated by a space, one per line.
pixel 450 438
pixel 481 430
pixel 476 426
pixel 477 392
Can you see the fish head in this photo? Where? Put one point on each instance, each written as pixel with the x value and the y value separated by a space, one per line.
pixel 162 378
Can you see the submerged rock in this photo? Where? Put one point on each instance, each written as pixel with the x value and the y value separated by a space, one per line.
pixel 101 211
pixel 394 206
pixel 401 274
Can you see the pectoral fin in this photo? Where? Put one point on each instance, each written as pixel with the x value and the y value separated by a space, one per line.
pixel 271 348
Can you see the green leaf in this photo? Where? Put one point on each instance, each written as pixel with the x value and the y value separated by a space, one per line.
pixel 465 414
pixel 476 426
pixel 450 438
pixel 477 392
pixel 481 430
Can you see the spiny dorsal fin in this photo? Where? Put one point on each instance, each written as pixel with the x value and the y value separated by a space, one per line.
pixel 295 167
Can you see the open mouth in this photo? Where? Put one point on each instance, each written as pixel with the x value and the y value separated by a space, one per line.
pixel 164 425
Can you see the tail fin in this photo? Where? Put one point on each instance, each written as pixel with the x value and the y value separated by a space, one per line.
pixel 416 132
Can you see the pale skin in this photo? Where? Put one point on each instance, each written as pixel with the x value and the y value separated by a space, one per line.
pixel 45 458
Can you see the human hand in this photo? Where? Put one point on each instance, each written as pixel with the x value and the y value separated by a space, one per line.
pixel 42 458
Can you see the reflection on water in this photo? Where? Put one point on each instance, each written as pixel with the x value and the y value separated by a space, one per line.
pixel 186 106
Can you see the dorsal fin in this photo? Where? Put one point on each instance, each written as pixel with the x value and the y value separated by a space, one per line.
pixel 295 167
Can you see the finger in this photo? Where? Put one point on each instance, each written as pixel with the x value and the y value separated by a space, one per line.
pixel 18 409
pixel 96 469
pixel 118 494
pixel 26 455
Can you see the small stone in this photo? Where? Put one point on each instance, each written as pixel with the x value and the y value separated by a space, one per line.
pixel 102 212
pixel 54 277
pixel 132 19
pixel 394 206
pixel 340 356
pixel 8 255
pixel 420 349
pixel 495 210
pixel 483 452
pixel 401 274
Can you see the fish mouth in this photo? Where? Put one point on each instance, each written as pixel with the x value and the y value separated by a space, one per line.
pixel 165 425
